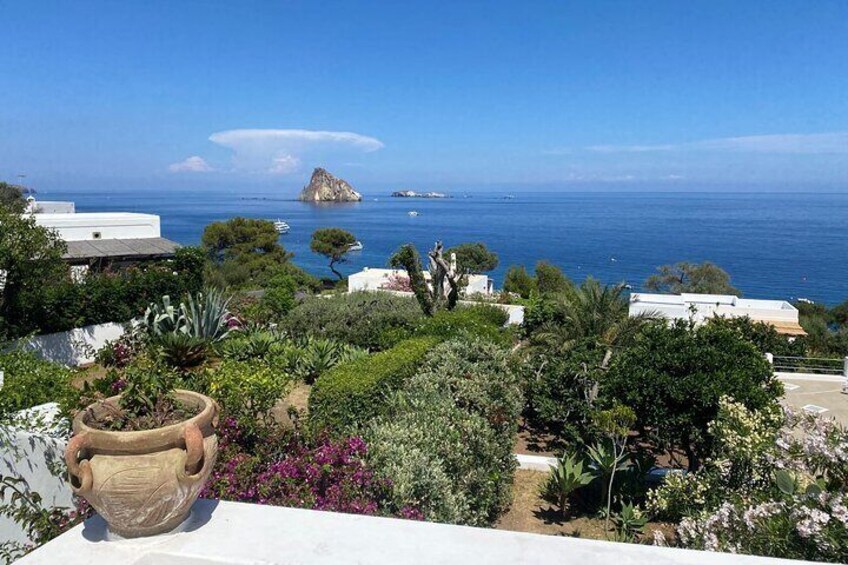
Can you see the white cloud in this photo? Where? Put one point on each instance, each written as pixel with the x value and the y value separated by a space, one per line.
pixel 281 151
pixel 787 144
pixel 284 165
pixel 192 164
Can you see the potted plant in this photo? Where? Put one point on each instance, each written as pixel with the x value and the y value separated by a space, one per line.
pixel 141 458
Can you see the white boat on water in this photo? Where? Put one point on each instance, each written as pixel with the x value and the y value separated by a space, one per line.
pixel 355 246
pixel 413 213
pixel 281 226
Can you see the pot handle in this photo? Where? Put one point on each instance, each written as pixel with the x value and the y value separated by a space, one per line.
pixel 193 438
pixel 79 471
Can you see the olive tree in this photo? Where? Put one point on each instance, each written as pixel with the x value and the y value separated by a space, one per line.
pixel 442 292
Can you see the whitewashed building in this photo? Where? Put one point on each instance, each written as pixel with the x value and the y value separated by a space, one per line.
pixel 97 238
pixel 700 307
pixel 393 279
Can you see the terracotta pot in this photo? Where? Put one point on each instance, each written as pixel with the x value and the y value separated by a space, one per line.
pixel 144 483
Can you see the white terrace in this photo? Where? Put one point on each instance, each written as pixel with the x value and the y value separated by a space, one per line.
pixel 242 534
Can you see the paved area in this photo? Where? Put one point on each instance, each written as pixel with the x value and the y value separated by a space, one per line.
pixel 824 393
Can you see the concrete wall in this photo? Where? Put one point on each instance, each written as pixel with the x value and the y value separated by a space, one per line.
pixel 109 225
pixel 74 347
pixel 35 455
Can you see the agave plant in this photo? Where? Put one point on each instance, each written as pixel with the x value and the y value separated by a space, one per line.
pixel 207 315
pixel 254 345
pixel 629 523
pixel 320 355
pixel 163 318
pixel 566 477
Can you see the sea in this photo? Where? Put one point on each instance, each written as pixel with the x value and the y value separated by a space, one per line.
pixel 774 245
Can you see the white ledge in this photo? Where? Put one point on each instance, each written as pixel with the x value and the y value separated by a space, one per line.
pixel 235 533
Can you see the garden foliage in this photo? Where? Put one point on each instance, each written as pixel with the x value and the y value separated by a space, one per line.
pixel 446 439
pixel 353 393
pixel 30 381
pixel 674 376
pixel 371 320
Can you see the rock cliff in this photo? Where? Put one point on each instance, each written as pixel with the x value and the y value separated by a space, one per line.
pixel 324 187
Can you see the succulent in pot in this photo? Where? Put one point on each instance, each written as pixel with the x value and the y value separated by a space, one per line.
pixel 142 457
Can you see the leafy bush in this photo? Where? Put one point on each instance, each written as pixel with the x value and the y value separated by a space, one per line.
pixel 561 390
pixel 121 351
pixel 519 281
pixel 442 460
pixel 106 297
pixel 764 336
pixel 551 280
pixel 372 320
pixel 480 321
pixel 246 390
pixel 675 375
pixel 481 379
pixel 279 295
pixel 446 439
pixel 30 381
pixel 353 393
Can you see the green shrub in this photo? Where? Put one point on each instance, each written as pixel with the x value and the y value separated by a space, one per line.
pixel 674 376
pixel 764 336
pixel 442 460
pixel 246 390
pixel 447 437
pixel 30 381
pixel 106 297
pixel 559 388
pixel 480 321
pixel 373 320
pixel 279 295
pixel 481 379
pixel 353 393
pixel 519 281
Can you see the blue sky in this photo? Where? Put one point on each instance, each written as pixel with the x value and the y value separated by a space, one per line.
pixel 556 95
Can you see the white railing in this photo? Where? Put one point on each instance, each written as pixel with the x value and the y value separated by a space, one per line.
pixel 810 365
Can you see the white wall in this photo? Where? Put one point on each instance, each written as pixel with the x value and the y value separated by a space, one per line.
pixel 74 347
pixel 110 225
pixel 37 457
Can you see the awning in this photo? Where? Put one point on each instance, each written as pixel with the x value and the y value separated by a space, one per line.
pixel 117 249
pixel 787 328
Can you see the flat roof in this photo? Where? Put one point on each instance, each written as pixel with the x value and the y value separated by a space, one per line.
pixel 709 299
pixel 149 247
pixel 88 216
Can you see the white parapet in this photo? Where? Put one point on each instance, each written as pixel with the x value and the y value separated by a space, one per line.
pixel 31 448
pixel 234 533
pixel 74 347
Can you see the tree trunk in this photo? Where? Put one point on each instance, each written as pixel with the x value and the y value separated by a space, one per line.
pixel 333 268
